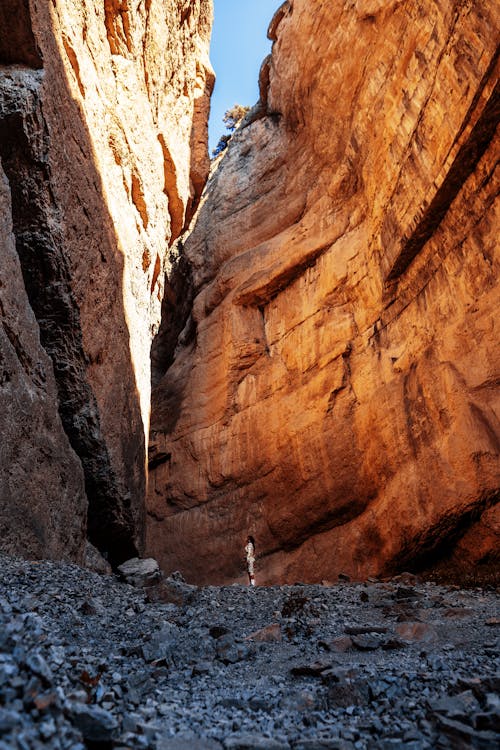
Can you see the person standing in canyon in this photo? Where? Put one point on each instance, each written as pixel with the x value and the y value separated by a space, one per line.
pixel 250 557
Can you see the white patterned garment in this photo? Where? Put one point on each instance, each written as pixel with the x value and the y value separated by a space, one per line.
pixel 250 554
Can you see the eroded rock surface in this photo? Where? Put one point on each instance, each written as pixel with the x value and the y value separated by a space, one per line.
pixel 103 109
pixel 39 470
pixel 334 391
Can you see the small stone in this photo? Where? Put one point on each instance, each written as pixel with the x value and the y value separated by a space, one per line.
pixel 45 700
pixel 259 703
pixel 312 669
pixel 230 651
pixel 348 693
pixel 202 668
pixel 9 720
pixel 406 578
pixel 269 634
pixel 78 696
pixel 233 702
pixel 37 664
pixel 47 729
pixel 363 629
pixel 458 612
pixel 187 743
pixel 251 741
pixel 217 630
pixel 417 632
pixel 162 645
pixel 301 701
pixel 404 593
pixel 493 702
pixel 95 724
pixel 176 575
pixel 368 642
pixel 131 722
pixel 170 591
pixel 92 607
pixel 339 645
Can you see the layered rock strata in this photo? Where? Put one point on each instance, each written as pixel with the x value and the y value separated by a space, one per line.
pixel 334 391
pixel 103 110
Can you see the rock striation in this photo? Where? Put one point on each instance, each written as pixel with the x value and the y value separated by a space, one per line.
pixel 333 387
pixel 103 112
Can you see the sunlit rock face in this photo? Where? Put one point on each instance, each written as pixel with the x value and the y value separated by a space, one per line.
pixel 103 109
pixel 334 392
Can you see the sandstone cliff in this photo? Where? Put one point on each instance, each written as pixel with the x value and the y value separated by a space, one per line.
pixel 334 391
pixel 103 110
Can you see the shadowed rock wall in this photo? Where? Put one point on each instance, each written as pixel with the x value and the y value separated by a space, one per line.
pixel 103 143
pixel 43 508
pixel 334 392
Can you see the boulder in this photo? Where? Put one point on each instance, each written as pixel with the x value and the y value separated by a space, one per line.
pixel 140 573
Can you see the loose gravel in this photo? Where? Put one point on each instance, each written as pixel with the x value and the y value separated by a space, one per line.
pixel 87 661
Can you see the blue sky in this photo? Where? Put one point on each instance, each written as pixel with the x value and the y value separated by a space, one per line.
pixel 239 44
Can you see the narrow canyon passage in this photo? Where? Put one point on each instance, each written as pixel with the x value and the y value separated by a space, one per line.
pixel 249 431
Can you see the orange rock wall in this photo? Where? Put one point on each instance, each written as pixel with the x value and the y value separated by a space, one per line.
pixel 103 110
pixel 335 390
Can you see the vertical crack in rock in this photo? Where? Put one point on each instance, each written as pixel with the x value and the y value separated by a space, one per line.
pixel 175 317
pixel 23 142
pixel 170 188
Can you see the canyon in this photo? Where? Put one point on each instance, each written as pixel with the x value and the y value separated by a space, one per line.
pixel 315 361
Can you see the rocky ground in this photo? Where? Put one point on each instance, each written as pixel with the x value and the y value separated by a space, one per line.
pixel 87 661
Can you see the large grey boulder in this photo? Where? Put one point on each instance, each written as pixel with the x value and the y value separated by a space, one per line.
pixel 140 573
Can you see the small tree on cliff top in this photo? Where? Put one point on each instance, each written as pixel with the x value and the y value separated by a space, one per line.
pixel 231 120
